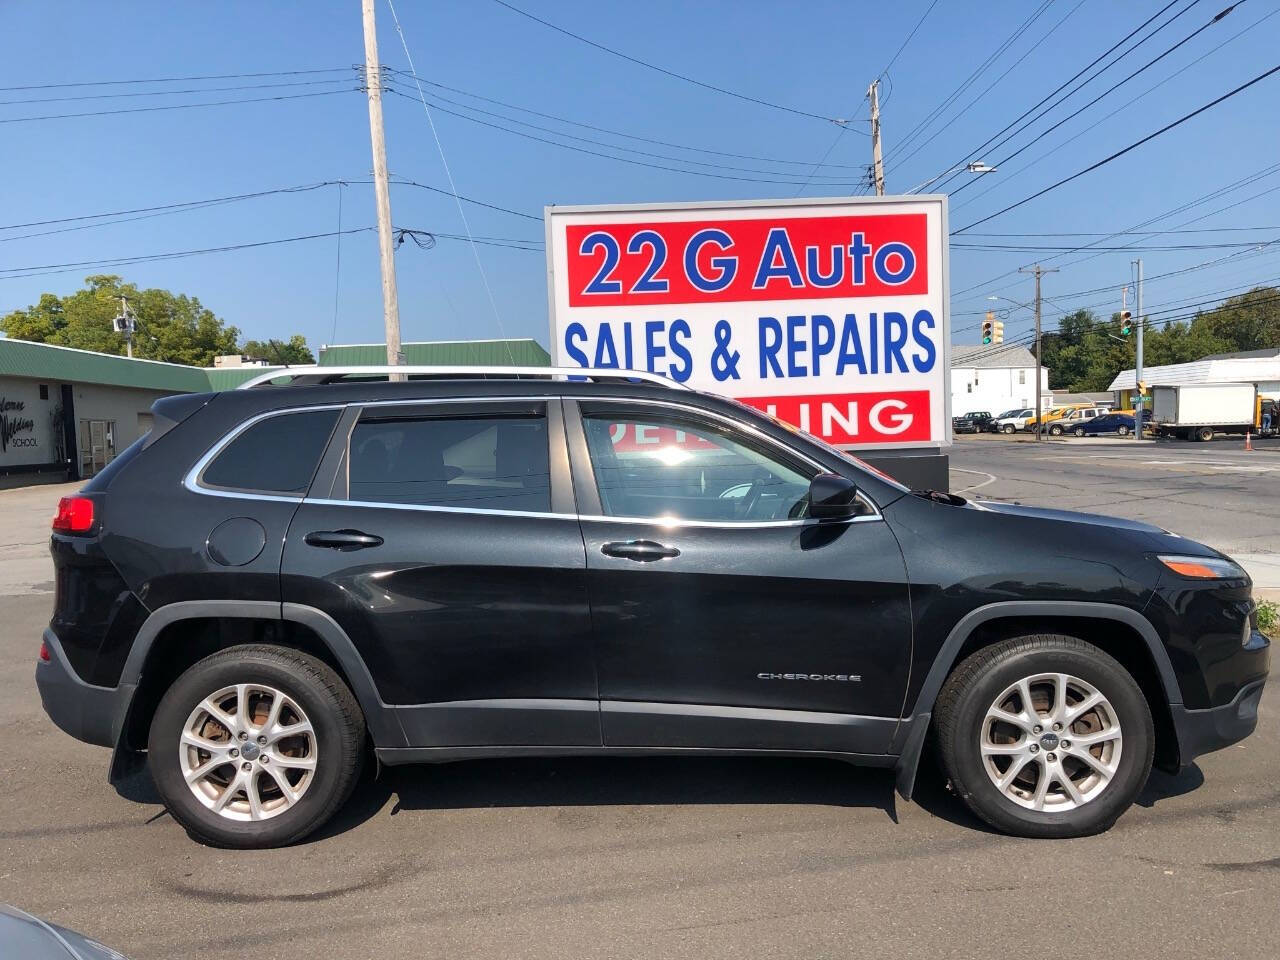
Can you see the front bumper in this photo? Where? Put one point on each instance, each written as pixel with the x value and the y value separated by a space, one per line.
pixel 87 712
pixel 1203 731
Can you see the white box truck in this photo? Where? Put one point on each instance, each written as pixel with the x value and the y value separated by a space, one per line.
pixel 1199 412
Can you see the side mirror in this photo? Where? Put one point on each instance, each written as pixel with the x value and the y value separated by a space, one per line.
pixel 832 497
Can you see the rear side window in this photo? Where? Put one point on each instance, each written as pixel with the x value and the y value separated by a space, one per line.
pixel 275 455
pixel 475 462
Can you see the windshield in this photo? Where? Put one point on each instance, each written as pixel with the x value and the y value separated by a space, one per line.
pixel 1009 413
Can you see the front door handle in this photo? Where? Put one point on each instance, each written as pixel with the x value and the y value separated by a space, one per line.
pixel 643 551
pixel 342 539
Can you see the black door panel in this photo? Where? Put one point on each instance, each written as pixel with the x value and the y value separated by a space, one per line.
pixel 746 625
pixel 457 568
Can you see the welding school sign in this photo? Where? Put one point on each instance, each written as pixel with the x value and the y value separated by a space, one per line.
pixel 830 314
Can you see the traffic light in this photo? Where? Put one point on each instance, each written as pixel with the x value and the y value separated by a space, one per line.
pixel 989 327
pixel 997 332
pixel 1126 323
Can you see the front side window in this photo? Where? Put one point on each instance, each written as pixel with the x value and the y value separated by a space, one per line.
pixel 276 455
pixel 674 466
pixel 473 462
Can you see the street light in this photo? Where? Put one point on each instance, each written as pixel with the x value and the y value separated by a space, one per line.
pixel 976 166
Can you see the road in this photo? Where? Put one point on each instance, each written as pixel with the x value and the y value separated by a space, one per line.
pixel 640 858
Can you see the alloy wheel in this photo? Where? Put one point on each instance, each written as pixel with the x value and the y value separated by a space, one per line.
pixel 248 752
pixel 1051 742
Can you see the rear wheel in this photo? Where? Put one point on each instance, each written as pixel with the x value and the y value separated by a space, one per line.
pixel 1204 434
pixel 1122 431
pixel 1045 736
pixel 256 746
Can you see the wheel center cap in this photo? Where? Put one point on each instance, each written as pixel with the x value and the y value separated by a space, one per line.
pixel 250 750
pixel 1048 741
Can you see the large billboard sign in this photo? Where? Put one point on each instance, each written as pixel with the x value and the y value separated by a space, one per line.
pixel 830 314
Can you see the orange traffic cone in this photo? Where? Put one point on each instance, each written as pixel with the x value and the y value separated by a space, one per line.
pixel 1248 440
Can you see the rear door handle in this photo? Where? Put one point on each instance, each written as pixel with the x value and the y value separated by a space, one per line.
pixel 643 551
pixel 342 539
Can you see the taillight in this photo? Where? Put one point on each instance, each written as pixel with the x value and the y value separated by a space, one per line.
pixel 44 652
pixel 75 515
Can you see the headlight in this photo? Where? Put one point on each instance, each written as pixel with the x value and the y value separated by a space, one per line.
pixel 1204 568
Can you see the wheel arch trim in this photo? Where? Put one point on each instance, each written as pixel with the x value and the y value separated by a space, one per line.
pixel 910 737
pixel 381 720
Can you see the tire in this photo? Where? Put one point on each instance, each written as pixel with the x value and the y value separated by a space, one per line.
pixel 1122 431
pixel 1078 431
pixel 1204 434
pixel 1055 431
pixel 982 681
pixel 302 686
pixel 1009 428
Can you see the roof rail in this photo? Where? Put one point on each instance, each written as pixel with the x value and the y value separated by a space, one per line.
pixel 311 375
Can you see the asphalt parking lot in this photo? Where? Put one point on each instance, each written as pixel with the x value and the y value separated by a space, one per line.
pixel 667 858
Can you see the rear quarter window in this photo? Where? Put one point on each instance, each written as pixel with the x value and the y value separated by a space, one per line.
pixel 278 454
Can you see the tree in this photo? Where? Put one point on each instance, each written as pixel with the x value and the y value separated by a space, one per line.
pixel 291 352
pixel 1085 353
pixel 171 327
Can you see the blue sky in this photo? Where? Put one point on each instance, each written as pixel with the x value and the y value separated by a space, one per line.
pixel 814 56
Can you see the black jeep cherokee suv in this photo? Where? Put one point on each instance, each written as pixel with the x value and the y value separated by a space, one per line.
pixel 277 580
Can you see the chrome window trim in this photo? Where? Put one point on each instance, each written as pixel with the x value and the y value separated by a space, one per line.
pixel 434 508
pixel 193 482
pixel 192 479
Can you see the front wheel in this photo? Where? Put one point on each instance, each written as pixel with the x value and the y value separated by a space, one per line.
pixel 1122 431
pixel 1078 431
pixel 1055 431
pixel 256 746
pixel 1009 428
pixel 1045 736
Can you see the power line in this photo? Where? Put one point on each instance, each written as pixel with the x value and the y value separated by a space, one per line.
pixel 1112 234
pixel 40 270
pixel 1105 93
pixel 664 70
pixel 453 187
pixel 894 59
pixel 991 86
pixel 48 268
pixel 173 93
pixel 437 99
pixel 616 133
pixel 161 210
pixel 607 156
pixel 175 106
pixel 1120 153
pixel 216 76
pixel 1066 83
pixel 1138 227
pixel 1032 164
pixel 1168 247
pixel 986 64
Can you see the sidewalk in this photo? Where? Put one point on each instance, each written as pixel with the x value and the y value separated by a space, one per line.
pixel 1264 568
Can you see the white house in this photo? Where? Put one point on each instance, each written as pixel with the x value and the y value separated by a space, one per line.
pixel 995 379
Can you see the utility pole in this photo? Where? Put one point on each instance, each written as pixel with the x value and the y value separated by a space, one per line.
pixel 1137 365
pixel 1038 271
pixel 877 158
pixel 381 188
pixel 124 323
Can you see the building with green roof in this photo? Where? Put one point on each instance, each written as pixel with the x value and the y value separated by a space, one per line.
pixel 66 413
pixel 441 353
